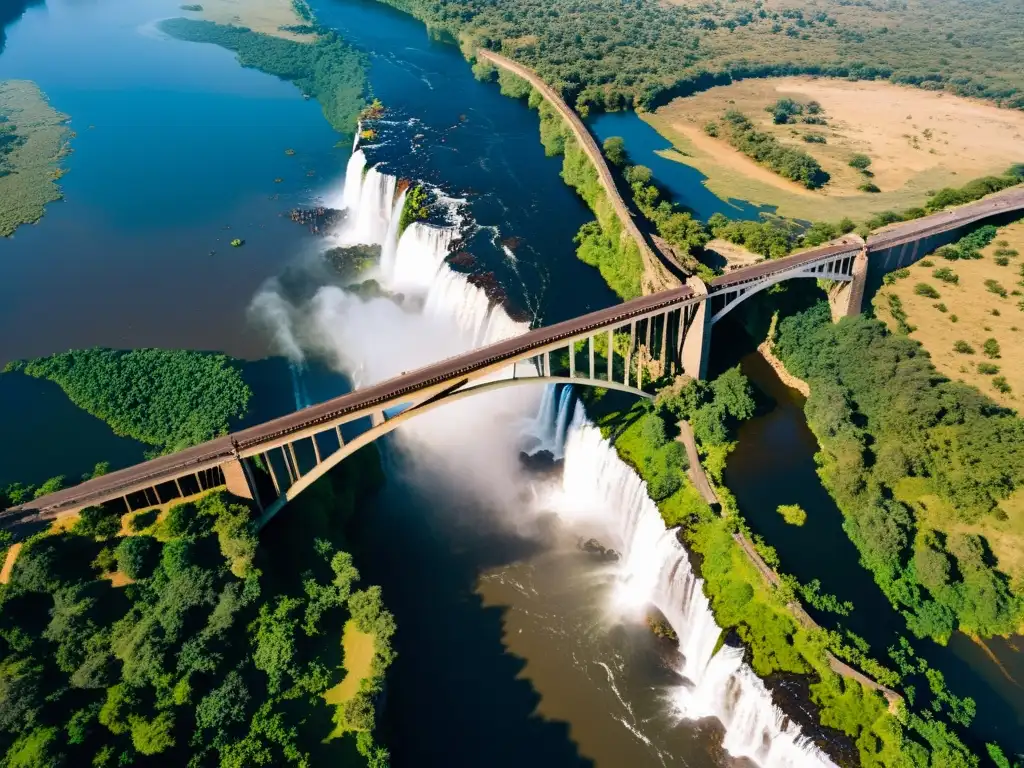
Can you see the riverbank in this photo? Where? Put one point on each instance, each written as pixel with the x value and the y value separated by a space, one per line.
pixel 656 276
pixel 33 141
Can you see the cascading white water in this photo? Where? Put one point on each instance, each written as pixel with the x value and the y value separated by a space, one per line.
pixel 599 486
pixel 419 256
pixel 414 264
pixel 353 186
pixel 370 218
pixel 565 402
pixel 389 248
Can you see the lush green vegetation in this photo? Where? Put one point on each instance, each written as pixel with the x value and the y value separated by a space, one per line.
pixel 601 243
pixel 910 458
pixel 948 196
pixel 744 601
pixel 416 207
pixel 327 68
pixel 793 514
pixel 771 237
pixel 33 140
pixel 170 399
pixel 606 54
pixel 189 643
pixel 788 162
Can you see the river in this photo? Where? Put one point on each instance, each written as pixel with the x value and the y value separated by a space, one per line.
pixel 780 444
pixel 511 647
pixel 507 650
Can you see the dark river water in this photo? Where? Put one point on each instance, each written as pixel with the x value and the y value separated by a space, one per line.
pixel 773 464
pixel 506 652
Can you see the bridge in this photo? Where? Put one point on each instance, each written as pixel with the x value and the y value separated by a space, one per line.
pixel 660 334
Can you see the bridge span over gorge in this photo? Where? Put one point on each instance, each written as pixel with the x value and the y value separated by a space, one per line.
pixel 663 333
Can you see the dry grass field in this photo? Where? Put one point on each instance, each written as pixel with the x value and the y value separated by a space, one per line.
pixel 973 305
pixel 918 141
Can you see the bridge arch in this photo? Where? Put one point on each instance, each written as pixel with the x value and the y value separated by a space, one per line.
pixel 391 423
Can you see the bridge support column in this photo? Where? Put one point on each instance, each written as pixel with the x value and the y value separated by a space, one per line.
pixel 697 340
pixel 847 299
pixel 237 479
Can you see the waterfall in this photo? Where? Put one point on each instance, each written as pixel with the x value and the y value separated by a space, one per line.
pixel 414 264
pixel 419 256
pixel 550 426
pixel 352 188
pixel 370 216
pixel 655 569
pixel 565 402
pixel 389 248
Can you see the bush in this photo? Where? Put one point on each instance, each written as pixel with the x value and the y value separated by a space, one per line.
pixel 793 514
pixel 869 187
pixel 991 348
pixel 137 556
pixel 99 522
pixel 993 286
pixel 999 382
pixel 615 150
pixel 940 306
pixel 946 275
pixel 923 289
pixel 963 347
pixel 860 162
pixel 988 369
pixel 815 138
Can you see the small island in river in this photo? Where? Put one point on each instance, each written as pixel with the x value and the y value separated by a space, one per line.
pixel 33 140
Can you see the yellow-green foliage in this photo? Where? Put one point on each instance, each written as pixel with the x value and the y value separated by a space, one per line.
pixel 34 141
pixel 793 514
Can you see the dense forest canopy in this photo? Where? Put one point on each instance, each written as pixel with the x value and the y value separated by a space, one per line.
pixel 184 642
pixel 616 54
pixel 168 398
pixel 898 441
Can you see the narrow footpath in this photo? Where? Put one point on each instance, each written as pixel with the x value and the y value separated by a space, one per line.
pixel 656 276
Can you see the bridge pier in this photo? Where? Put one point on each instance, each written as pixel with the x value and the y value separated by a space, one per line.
pixel 847 299
pixel 238 480
pixel 697 336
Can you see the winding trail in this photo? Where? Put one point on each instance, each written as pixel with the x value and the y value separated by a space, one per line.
pixel 656 276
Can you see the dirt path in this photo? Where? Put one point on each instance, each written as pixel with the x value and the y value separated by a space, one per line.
pixel 656 276
pixel 696 469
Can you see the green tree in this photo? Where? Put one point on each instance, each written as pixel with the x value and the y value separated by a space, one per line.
pixel 615 150
pixel 137 556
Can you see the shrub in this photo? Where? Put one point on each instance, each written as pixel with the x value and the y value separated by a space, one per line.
pixel 711 129
pixel 946 275
pixel 953 318
pixel 988 368
pixel 99 522
pixel 1002 261
pixel 615 150
pixel 860 162
pixel 923 289
pixel 940 306
pixel 991 348
pixel 999 382
pixel 815 138
pixel 136 556
pixel 869 187
pixel 927 263
pixel 793 514
pixel 993 286
pixel 963 347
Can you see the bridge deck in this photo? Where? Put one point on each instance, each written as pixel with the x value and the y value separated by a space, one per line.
pixel 452 370
pixel 165 468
